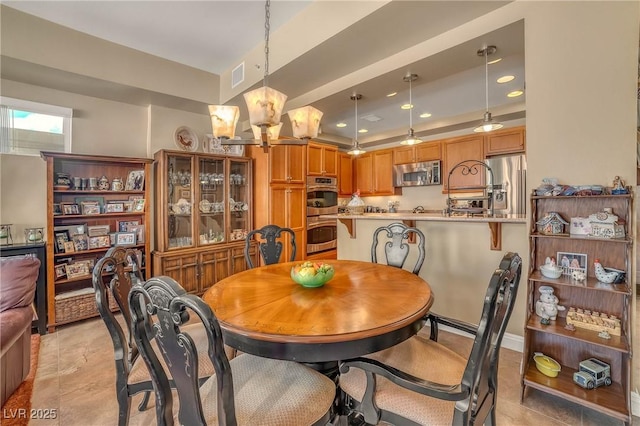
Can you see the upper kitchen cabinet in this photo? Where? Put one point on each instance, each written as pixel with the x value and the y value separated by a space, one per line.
pixel 287 164
pixel 505 141
pixel 345 175
pixel 427 151
pixel 374 173
pixel 322 160
pixel 456 151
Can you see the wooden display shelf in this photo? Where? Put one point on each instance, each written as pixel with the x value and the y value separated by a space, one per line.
pixel 581 237
pixel 617 343
pixel 589 283
pixel 96 216
pixel 609 400
pixel 96 192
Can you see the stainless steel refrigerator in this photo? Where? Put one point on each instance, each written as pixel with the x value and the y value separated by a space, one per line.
pixel 508 195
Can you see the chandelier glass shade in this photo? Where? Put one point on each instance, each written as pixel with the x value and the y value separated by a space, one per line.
pixel 305 122
pixel 223 120
pixel 265 106
pixel 273 132
pixel 487 124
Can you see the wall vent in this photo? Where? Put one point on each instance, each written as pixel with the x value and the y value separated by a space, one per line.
pixel 237 75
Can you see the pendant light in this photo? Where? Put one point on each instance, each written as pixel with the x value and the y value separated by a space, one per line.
pixel 265 106
pixel 411 138
pixel 355 149
pixel 488 124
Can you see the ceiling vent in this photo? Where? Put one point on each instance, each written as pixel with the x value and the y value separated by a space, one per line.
pixel 237 75
pixel 371 118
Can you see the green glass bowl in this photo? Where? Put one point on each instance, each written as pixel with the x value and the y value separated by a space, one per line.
pixel 317 280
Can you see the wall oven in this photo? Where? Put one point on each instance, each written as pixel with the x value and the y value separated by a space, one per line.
pixel 322 199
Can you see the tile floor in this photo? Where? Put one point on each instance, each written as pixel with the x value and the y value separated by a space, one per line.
pixel 76 376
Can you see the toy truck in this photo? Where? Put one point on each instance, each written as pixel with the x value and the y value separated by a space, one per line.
pixel 592 373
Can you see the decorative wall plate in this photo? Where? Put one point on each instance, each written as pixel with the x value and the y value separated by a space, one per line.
pixel 186 139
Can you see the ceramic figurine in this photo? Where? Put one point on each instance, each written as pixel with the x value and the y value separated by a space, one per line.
pixel 103 183
pixel 547 307
pixel 618 186
pixel 578 275
pixel 602 275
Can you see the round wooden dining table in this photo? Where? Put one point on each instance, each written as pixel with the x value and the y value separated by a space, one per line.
pixel 364 308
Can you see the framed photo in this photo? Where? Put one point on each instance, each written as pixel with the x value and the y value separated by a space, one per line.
pixel 70 208
pixel 139 231
pixel 89 262
pixel 135 197
pixel 99 241
pixel 60 271
pixel 135 181
pixel 138 205
pixel 79 228
pixel 61 237
pixel 98 230
pixel 125 238
pixel 81 242
pixel 57 209
pixel 90 207
pixel 78 269
pixel 99 200
pixel 69 247
pixel 128 206
pixel 114 207
pixel 123 225
pixel 570 262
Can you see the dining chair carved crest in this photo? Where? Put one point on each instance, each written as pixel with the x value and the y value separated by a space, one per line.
pixel 111 279
pixel 269 244
pixel 420 381
pixel 247 390
pixel 397 247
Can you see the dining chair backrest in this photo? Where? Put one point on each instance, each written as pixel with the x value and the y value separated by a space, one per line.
pixel 397 245
pixel 160 310
pixel 270 245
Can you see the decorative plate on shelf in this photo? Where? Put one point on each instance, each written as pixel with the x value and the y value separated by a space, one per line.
pixel 186 139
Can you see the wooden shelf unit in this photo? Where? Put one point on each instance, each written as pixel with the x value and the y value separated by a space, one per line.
pixel 85 166
pixel 568 347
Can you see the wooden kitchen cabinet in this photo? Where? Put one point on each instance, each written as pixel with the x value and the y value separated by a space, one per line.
pixel 287 164
pixel 570 347
pixel 505 141
pixel 455 151
pixel 345 175
pixel 374 173
pixel 426 151
pixel 322 160
pixel 285 212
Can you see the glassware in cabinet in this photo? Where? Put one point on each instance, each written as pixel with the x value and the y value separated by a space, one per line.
pixel 179 196
pixel 239 199
pixel 211 205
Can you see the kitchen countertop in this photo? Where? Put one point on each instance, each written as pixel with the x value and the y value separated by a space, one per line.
pixel 434 217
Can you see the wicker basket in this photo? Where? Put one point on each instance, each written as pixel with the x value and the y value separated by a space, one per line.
pixel 79 304
pixel 355 209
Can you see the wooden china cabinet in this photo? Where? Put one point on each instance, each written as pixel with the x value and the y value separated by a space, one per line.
pixel 594 299
pixel 204 210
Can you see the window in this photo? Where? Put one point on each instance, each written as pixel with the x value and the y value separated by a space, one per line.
pixel 26 128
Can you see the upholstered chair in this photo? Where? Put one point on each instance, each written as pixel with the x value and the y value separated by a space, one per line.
pixel 112 279
pixel 248 390
pixel 419 381
pixel 269 244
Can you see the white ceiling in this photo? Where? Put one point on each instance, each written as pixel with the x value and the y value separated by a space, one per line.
pixel 215 35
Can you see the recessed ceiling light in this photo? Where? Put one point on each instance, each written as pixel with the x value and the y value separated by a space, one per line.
pixel 391 94
pixel 494 61
pixel 425 115
pixel 505 79
pixel 341 125
pixel 515 94
pixel 362 131
pixel 406 106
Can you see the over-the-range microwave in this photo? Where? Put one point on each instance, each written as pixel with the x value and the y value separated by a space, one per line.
pixel 417 174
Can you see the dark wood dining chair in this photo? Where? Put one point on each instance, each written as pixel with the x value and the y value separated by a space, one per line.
pixel 269 244
pixel 112 280
pixel 396 238
pixel 247 390
pixel 420 381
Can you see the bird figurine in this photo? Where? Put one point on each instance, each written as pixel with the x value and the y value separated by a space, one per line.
pixel 602 275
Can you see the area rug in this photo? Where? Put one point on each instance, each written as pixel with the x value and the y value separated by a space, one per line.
pixel 20 401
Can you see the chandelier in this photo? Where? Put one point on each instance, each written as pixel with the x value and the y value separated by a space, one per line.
pixel 487 124
pixel 411 138
pixel 355 149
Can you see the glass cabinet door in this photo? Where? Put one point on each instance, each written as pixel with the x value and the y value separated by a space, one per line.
pixel 239 199
pixel 211 201
pixel 179 196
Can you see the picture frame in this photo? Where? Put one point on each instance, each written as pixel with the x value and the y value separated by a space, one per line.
pixel 99 241
pixel 135 181
pixel 125 238
pixel 138 205
pixel 570 262
pixel 69 208
pixel 90 207
pixel 61 237
pixel 123 225
pixel 98 230
pixel 128 206
pixel 60 271
pixel 139 231
pixel 57 209
pixel 76 270
pixel 212 145
pixel 99 200
pixel 114 208
pixel 91 262
pixel 81 242
pixel 69 247
pixel 78 228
